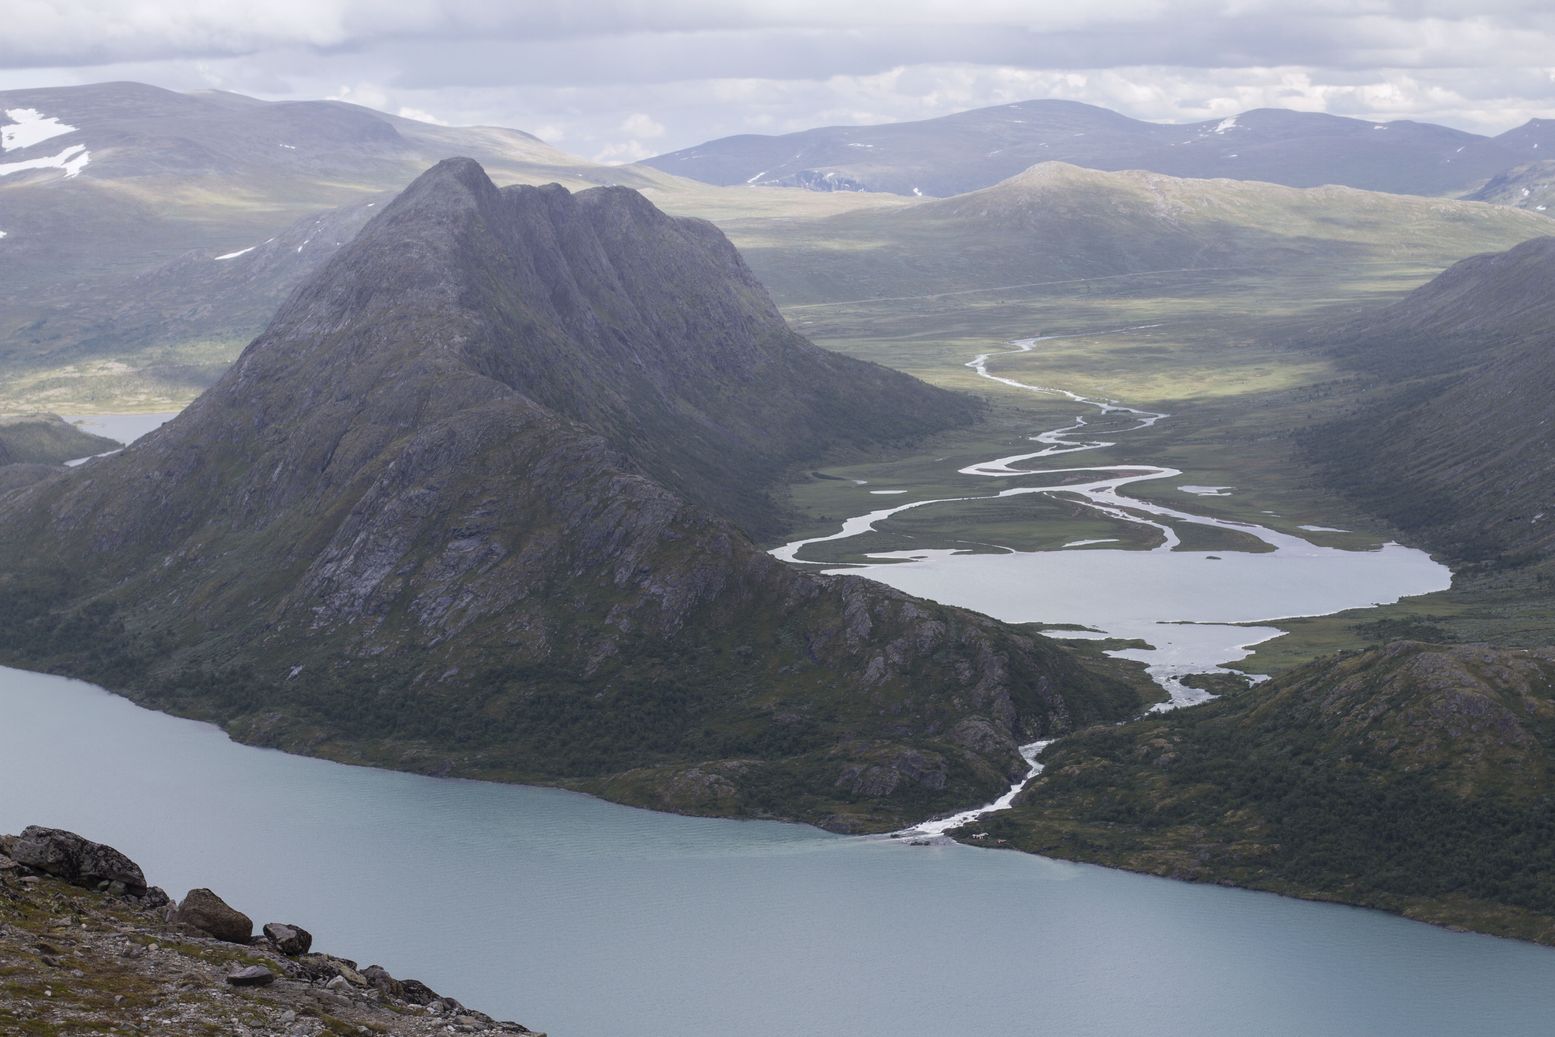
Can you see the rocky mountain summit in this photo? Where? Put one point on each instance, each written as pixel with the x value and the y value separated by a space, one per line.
pixel 477 503
pixel 88 947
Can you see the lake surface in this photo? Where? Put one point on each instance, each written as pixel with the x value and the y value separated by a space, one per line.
pixel 1188 606
pixel 593 920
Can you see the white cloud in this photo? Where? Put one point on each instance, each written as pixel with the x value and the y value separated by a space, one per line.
pixel 641 125
pixel 619 78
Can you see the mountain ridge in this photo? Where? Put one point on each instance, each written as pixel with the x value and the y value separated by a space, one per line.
pixel 369 541
pixel 965 151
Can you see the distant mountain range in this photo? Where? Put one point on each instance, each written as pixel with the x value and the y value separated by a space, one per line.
pixel 958 153
pixel 473 503
pixel 1064 225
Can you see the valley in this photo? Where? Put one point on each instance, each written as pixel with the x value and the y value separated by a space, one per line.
pixel 1195 523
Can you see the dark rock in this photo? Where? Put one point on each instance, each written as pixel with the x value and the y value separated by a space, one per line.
pixel 417 992
pixel 288 939
pixel 68 856
pixel 155 897
pixel 210 914
pixel 253 976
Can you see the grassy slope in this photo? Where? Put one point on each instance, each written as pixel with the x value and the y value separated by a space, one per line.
pixel 1412 778
pixel 46 439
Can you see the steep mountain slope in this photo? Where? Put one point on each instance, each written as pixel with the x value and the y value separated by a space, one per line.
pixel 1058 222
pixel 1414 778
pixel 975 149
pixel 438 516
pixel 1454 443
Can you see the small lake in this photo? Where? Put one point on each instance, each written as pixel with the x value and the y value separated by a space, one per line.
pixel 588 919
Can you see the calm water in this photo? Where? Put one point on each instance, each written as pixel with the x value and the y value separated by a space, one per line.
pixel 593 920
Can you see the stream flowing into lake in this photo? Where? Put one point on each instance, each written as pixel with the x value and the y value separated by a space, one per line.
pixel 588 919
pixel 1187 605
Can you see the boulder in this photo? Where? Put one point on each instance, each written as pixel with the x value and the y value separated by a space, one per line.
pixel 377 976
pixel 68 856
pixel 288 939
pixel 253 976
pixel 210 914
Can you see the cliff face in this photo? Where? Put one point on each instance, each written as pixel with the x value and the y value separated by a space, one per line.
pixel 469 505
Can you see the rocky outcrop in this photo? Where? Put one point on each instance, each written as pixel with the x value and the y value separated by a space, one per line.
pixel 66 855
pixel 203 910
pixel 78 959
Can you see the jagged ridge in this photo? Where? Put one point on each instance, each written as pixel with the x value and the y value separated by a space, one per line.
pixel 418 523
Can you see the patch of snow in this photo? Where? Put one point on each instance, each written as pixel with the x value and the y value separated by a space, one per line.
pixel 289 147
pixel 239 252
pixel 917 193
pixel 1226 125
pixel 757 177
pixel 886 493
pixel 1540 208
pixel 72 160
pixel 1088 543
pixel 1322 529
pixel 29 127
pixel 2 233
pixel 1459 151
pixel 1232 155
pixel 1381 127
pixel 1207 491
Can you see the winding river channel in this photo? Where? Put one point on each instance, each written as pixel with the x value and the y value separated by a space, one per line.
pixel 1183 603
pixel 1189 606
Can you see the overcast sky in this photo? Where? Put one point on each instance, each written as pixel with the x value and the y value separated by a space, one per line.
pixel 621 79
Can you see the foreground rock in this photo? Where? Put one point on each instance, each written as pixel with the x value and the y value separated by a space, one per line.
pixel 66 855
pixel 78 959
pixel 205 911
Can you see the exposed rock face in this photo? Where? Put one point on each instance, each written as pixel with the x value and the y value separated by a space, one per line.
pixel 210 914
pixel 67 855
pixel 470 506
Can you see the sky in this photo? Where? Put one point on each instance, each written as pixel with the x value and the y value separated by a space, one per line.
pixel 619 80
